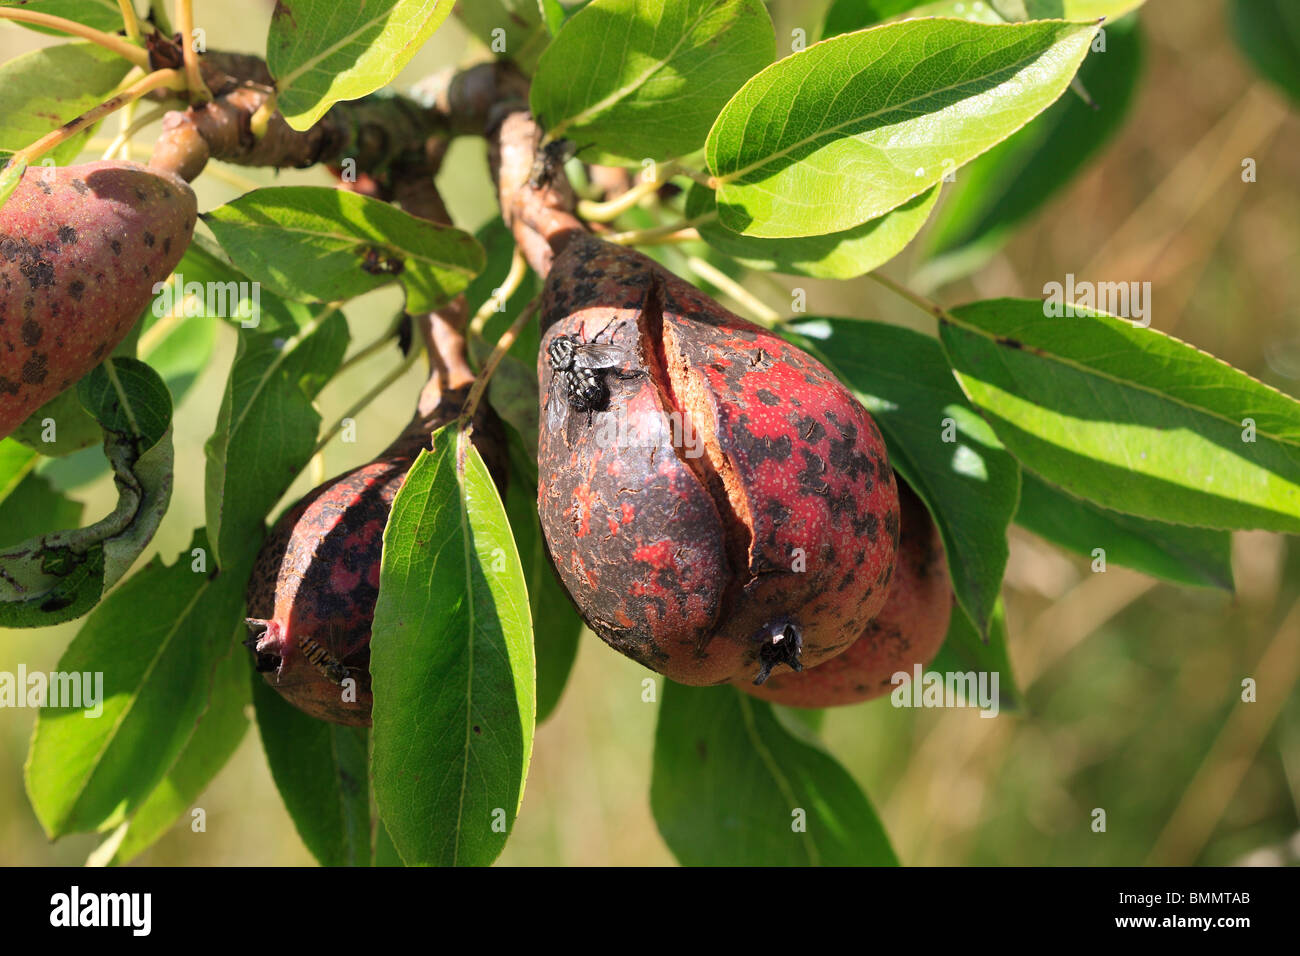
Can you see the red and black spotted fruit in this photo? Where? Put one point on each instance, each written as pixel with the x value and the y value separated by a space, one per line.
pixel 909 629
pixel 80 250
pixel 714 501
pixel 311 597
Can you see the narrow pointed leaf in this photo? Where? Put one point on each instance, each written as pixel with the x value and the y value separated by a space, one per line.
pixel 1129 418
pixel 318 243
pixel 1001 189
pixel 855 126
pixel 451 663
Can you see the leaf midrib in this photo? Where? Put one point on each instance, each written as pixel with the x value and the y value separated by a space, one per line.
pixel 470 637
pixel 353 239
pixel 773 768
pixel 1002 351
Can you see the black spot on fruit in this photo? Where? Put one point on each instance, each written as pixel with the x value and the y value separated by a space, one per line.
pixel 35 370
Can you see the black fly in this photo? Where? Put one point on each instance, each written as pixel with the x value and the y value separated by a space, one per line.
pixel 550 160
pixel 579 376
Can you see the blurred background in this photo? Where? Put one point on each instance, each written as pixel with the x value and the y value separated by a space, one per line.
pixel 1132 686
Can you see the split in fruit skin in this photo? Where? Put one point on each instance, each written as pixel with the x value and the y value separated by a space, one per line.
pixel 683 562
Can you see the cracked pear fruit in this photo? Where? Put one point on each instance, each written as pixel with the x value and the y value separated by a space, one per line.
pixel 311 597
pixel 909 629
pixel 717 505
pixel 80 250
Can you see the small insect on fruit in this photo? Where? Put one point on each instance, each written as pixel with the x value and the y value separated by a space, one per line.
pixel 580 368
pixel 780 643
pixel 323 660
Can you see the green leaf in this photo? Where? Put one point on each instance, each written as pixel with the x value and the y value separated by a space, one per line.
pixel 15 463
pixel 848 15
pixel 509 28
pixel 556 625
pixel 937 443
pixel 964 650
pixel 1130 418
pixel 855 126
pixel 385 854
pixel 320 770
pixel 1065 9
pixel 103 15
pixel 1004 187
pixel 74 428
pixel 840 255
pixel 266 428
pixel 314 242
pixel 451 664
pixel 1268 33
pixel 1196 556
pixel 553 15
pixel 323 51
pixel 214 741
pixel 61 575
pixel 732 785
pixel 155 643
pixel 644 79
pixel 43 89
pixel 33 508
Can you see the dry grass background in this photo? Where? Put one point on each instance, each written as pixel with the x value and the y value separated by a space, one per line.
pixel 1132 686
